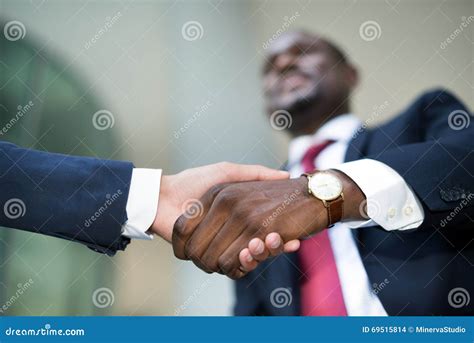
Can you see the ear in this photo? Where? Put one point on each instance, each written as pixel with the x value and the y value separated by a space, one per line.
pixel 352 76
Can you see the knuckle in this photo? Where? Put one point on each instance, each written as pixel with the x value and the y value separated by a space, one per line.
pixel 255 231
pixel 190 252
pixel 179 227
pixel 226 264
pixel 239 216
pixel 224 164
pixel 202 266
pixel 225 198
pixel 214 190
pixel 259 170
pixel 210 263
pixel 235 275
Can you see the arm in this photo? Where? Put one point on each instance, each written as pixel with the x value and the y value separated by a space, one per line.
pixel 76 198
pixel 434 174
pixel 439 166
pixel 102 203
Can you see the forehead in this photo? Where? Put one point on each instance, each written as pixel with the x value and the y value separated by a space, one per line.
pixel 295 42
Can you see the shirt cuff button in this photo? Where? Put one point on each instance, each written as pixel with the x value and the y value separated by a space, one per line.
pixel 392 212
pixel 408 210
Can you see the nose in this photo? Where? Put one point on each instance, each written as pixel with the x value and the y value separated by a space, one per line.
pixel 283 62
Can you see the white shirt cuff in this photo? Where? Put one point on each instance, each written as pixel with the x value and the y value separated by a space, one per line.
pixel 142 203
pixel 391 203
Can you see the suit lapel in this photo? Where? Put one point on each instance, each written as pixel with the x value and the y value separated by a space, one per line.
pixel 357 146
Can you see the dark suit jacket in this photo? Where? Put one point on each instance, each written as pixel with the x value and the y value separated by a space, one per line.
pixel 77 198
pixel 421 266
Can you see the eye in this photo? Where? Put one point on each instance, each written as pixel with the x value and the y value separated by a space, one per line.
pixel 269 64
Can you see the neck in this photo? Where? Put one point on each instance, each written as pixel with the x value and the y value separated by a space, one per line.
pixel 309 121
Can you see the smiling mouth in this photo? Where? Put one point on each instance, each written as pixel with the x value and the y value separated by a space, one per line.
pixel 293 81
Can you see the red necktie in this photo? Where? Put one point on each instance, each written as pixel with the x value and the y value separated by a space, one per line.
pixel 321 293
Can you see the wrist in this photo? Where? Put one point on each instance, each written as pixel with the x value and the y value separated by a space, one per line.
pixel 162 224
pixel 353 197
pixel 331 206
pixel 317 213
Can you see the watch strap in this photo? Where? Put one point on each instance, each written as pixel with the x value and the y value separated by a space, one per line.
pixel 335 210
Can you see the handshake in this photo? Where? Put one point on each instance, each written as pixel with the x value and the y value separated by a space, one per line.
pixel 227 217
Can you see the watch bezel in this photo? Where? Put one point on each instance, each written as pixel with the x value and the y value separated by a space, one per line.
pixel 313 191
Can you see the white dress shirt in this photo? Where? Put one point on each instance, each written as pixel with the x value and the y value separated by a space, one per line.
pixel 142 203
pixel 391 203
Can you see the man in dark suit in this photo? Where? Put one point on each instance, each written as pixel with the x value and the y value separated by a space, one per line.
pixel 397 201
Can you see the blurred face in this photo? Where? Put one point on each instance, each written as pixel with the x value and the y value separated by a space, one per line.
pixel 302 71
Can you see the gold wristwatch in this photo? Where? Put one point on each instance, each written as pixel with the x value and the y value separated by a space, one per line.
pixel 327 187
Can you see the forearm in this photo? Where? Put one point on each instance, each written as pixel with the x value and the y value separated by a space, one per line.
pixel 76 198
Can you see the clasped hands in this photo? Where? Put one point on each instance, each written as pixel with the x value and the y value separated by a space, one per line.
pixel 227 218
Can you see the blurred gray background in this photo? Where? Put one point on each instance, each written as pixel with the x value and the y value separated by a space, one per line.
pixel 182 82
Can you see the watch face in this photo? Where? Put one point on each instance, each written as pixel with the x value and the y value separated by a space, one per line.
pixel 325 186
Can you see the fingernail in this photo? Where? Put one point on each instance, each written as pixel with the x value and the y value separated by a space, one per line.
pixel 259 248
pixel 275 243
pixel 249 258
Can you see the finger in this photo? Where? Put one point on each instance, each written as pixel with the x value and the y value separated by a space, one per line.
pixel 292 246
pixel 274 243
pixel 186 224
pixel 229 232
pixel 258 249
pixel 229 261
pixel 246 260
pixel 237 274
pixel 241 172
pixel 205 232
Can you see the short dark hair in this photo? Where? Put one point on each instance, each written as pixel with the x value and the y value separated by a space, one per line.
pixel 334 49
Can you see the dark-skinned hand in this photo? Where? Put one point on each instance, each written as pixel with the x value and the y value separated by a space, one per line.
pixel 237 214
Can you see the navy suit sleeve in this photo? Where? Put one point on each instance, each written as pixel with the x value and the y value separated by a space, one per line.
pixel 76 198
pixel 439 163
